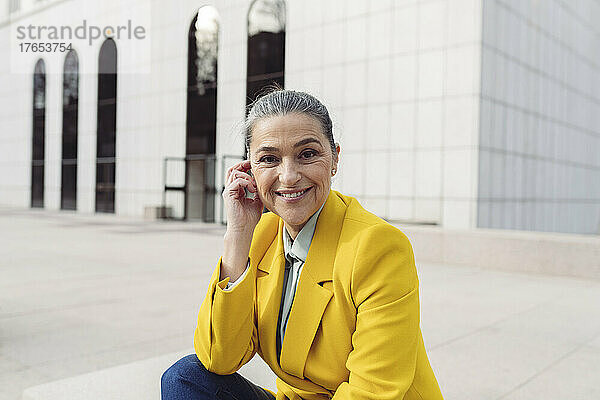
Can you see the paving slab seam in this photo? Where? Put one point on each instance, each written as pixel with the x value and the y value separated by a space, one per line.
pixel 106 350
pixel 482 328
pixel 59 308
pixel 63 280
pixel 546 368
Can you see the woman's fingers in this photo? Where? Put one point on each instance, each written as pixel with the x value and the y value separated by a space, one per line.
pixel 234 173
pixel 247 183
pixel 237 179
pixel 237 174
pixel 237 187
pixel 242 166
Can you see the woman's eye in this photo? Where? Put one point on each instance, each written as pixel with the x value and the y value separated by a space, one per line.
pixel 267 159
pixel 309 154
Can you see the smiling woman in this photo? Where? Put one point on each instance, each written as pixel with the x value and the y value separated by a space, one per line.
pixel 323 290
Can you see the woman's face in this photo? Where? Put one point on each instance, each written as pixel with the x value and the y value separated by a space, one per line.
pixel 291 161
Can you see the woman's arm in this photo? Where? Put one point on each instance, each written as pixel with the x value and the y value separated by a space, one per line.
pixel 235 254
pixel 385 292
pixel 226 334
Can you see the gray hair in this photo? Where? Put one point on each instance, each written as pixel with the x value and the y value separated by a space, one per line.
pixel 280 102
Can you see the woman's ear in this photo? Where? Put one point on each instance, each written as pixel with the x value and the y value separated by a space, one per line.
pixel 337 155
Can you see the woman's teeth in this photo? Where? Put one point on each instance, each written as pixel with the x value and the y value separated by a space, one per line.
pixel 292 195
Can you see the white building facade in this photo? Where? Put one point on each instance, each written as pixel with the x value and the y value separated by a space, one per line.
pixel 460 113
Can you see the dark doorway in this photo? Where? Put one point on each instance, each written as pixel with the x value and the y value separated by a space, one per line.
pixel 68 190
pixel 266 47
pixel 201 127
pixel 38 136
pixel 106 135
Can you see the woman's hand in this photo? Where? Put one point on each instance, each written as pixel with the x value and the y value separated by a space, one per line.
pixel 242 213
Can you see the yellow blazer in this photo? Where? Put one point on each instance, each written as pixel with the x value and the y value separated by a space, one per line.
pixel 353 331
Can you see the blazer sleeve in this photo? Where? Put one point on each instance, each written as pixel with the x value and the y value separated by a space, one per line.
pixel 384 289
pixel 226 335
pixel 230 285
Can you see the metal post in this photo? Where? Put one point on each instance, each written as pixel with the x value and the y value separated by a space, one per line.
pixel 164 195
pixel 222 204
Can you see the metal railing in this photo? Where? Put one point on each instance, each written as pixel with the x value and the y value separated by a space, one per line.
pixel 200 182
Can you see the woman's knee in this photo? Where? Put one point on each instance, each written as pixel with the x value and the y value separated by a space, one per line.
pixel 186 370
pixel 189 379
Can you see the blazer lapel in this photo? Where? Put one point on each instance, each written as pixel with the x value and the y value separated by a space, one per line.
pixel 311 297
pixel 269 287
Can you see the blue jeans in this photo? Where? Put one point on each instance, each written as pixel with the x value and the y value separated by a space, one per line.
pixel 188 379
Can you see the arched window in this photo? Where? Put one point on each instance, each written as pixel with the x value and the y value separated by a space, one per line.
pixel 201 127
pixel 68 191
pixel 39 132
pixel 106 133
pixel 266 46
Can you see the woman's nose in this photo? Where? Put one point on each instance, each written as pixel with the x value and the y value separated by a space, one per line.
pixel 289 173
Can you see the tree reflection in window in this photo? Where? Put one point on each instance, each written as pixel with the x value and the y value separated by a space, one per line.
pixel 266 47
pixel 68 197
pixel 38 137
pixel 205 32
pixel 202 82
pixel 201 120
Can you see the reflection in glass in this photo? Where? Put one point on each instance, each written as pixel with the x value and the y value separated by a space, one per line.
pixel 106 127
pixel 202 82
pixel 68 194
pixel 205 31
pixel 266 47
pixel 38 137
pixel 201 119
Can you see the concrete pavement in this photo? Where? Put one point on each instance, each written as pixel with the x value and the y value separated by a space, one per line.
pixel 82 293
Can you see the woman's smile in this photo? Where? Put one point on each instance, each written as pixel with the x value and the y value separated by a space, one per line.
pixel 294 195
